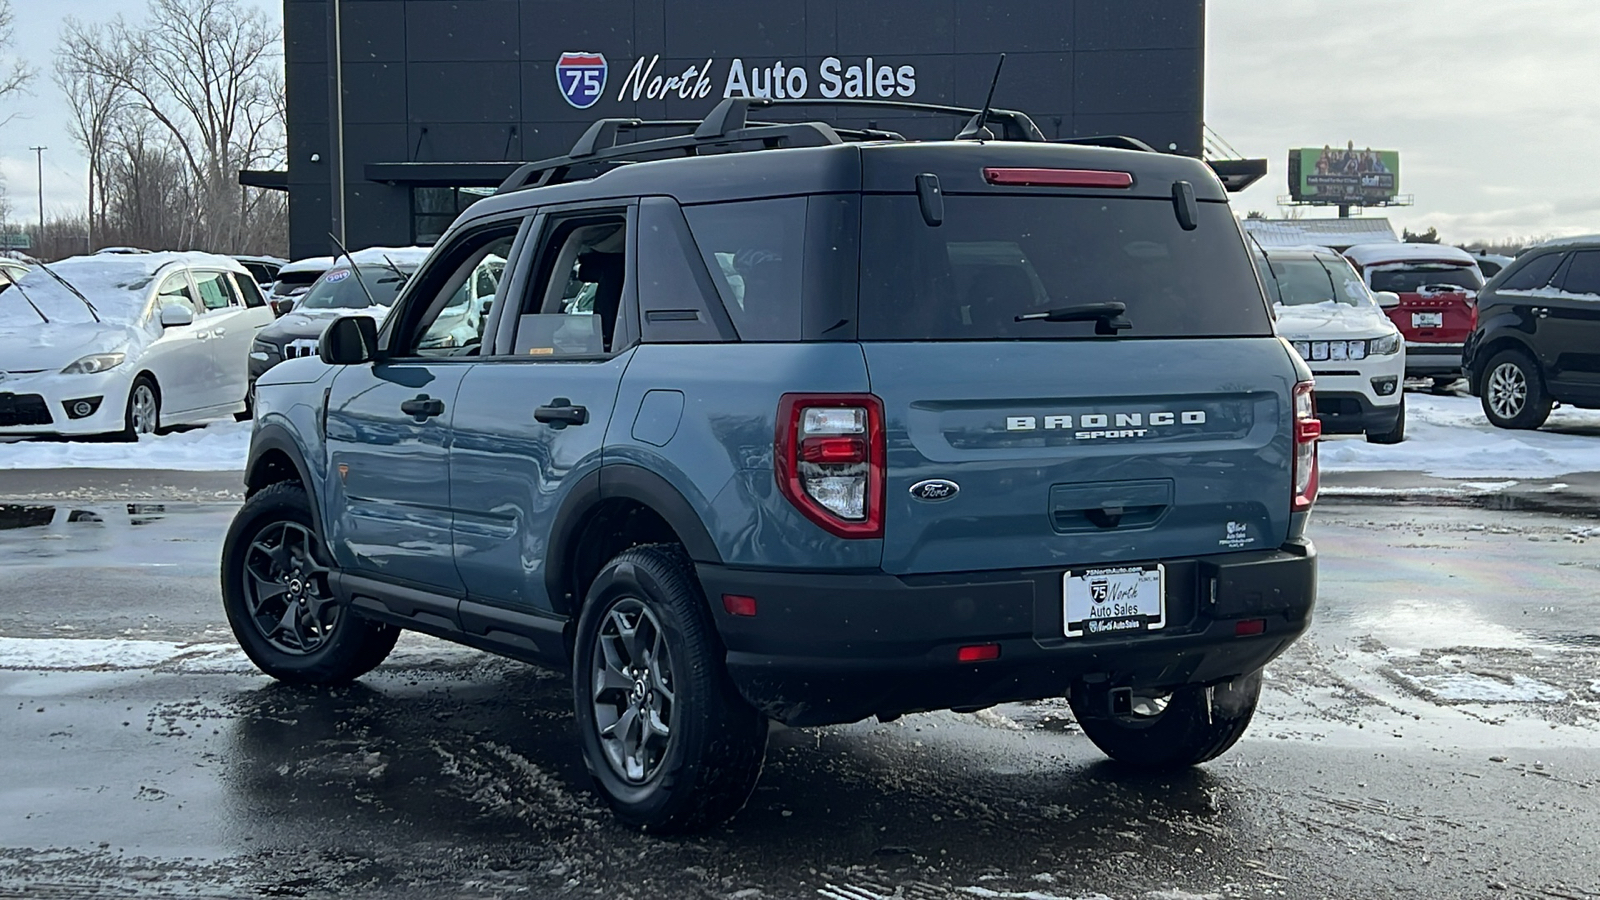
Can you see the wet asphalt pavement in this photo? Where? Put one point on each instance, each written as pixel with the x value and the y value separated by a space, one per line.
pixel 1436 735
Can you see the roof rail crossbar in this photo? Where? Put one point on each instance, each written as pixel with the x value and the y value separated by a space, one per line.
pixel 556 170
pixel 1114 141
pixel 603 133
pixel 731 113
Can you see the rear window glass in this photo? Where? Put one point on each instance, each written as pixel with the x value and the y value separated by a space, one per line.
pixel 1534 274
pixel 754 250
pixel 1300 282
pixel 997 257
pixel 1411 279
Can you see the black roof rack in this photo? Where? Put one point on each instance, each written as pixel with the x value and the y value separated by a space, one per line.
pixel 726 127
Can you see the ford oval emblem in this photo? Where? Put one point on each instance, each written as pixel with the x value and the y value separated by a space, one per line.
pixel 935 489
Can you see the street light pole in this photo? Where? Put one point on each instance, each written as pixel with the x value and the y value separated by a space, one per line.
pixel 38 152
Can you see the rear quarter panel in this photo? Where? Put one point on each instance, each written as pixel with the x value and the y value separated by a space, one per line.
pixel 720 455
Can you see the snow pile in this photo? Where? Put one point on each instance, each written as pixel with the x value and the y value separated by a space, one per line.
pixel 219 447
pixel 1448 437
pixel 1483 689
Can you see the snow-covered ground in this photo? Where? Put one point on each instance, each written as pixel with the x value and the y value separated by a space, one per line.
pixel 1448 437
pixel 219 447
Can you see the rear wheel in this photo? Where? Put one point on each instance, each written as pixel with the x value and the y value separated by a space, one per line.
pixel 277 596
pixel 1443 383
pixel 670 743
pixel 1513 392
pixel 1183 728
pixel 1394 435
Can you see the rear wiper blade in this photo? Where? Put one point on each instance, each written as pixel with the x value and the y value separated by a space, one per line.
pixel 1107 317
pixel 68 285
pixel 24 294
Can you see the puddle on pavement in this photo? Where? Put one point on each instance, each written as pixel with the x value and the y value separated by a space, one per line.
pixel 114 532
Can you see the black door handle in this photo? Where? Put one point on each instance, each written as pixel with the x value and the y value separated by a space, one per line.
pixel 560 413
pixel 423 407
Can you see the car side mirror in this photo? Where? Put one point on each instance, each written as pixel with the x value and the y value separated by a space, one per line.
pixel 175 314
pixel 282 306
pixel 349 341
pixel 1387 299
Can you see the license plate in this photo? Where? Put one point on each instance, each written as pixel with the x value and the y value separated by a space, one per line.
pixel 1116 600
pixel 1427 320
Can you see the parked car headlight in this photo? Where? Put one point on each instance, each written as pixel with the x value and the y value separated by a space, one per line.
pixel 1384 346
pixel 94 363
pixel 260 349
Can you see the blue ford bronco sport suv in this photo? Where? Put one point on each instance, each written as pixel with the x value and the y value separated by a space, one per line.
pixel 797 422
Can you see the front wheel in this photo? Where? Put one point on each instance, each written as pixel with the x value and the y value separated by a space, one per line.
pixel 1394 434
pixel 143 412
pixel 1513 392
pixel 1183 728
pixel 670 743
pixel 277 596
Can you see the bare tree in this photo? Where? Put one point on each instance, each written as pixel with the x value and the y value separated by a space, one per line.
pixel 206 75
pixel 97 95
pixel 15 74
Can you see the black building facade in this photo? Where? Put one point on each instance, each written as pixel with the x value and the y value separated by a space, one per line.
pixel 442 97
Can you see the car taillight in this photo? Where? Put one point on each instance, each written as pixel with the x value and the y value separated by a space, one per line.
pixel 830 460
pixel 1306 432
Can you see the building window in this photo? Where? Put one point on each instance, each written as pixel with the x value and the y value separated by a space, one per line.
pixel 434 208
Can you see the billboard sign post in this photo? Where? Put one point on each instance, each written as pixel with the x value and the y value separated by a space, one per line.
pixel 1344 176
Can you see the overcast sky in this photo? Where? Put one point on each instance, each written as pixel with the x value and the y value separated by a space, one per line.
pixel 1491 103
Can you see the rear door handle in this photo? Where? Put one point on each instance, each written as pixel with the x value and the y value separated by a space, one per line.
pixel 423 407
pixel 219 332
pixel 560 413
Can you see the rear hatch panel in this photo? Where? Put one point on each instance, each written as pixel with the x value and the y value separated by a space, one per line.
pixel 1077 452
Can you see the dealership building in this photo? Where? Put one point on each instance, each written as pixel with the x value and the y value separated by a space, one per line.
pixel 440 99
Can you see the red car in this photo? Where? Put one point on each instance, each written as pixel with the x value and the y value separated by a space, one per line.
pixel 1438 287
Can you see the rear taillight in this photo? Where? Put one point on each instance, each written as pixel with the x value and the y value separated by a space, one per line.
pixel 830 460
pixel 1306 432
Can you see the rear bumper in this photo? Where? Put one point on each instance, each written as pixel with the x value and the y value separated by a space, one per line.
pixel 1424 360
pixel 826 648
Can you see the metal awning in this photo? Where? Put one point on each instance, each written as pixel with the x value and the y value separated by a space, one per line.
pixel 1238 174
pixel 441 174
pixel 271 179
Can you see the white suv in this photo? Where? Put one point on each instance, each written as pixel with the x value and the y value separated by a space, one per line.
pixel 1339 327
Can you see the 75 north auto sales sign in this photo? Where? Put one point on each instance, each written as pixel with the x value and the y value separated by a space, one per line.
pixel 649 79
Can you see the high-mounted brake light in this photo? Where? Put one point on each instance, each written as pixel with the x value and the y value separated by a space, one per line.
pixel 1307 429
pixel 829 455
pixel 1094 178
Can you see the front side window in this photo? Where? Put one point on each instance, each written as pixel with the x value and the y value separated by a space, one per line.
pixel 460 322
pixel 175 291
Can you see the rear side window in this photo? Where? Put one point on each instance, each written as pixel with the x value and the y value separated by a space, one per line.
pixel 1536 274
pixel 1583 275
pixel 996 257
pixel 754 250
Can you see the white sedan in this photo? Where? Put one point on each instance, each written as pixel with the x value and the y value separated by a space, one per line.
pixel 126 344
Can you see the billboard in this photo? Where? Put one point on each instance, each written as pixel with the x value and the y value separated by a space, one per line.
pixel 1331 174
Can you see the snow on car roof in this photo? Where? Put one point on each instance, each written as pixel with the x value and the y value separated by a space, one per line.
pixel 1378 254
pixel 309 264
pixel 400 256
pixel 116 283
pixel 1569 241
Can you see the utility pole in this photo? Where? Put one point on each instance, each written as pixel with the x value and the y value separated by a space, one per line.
pixel 38 152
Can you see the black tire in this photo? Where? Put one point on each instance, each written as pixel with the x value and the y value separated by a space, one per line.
pixel 1443 383
pixel 273 543
pixel 1188 731
pixel 704 769
pixel 1513 393
pixel 142 413
pixel 1394 435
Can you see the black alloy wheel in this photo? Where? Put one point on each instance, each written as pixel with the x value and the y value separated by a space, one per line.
pixel 278 593
pixel 632 695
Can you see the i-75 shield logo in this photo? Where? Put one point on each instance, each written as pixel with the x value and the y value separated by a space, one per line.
pixel 582 78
